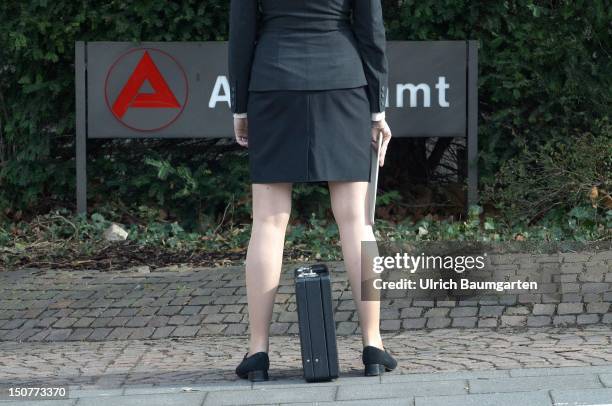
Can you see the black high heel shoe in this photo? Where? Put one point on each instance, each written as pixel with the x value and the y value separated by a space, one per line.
pixel 254 368
pixel 377 361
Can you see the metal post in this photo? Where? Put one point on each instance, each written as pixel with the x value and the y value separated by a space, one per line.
pixel 472 122
pixel 81 125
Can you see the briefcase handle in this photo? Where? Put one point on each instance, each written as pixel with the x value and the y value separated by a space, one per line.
pixel 311 270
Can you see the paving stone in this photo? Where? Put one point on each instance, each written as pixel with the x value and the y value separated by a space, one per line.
pixel 58 334
pixel 530 298
pixel 40 336
pixel 235 329
pixel 279 328
pixel 571 297
pixel 209 329
pixel 532 398
pixel 346 328
pixel 27 333
pixel 185 331
pixel 288 317
pixel 346 305
pixel 120 333
pixel 490 311
pixel 163 332
pixel 464 311
pixel 225 300
pixel 79 334
pixel 561 370
pixel 543 309
pixel 110 312
pixel 142 333
pixel 232 308
pixel 169 310
pixel 190 310
pixel 235 318
pixel 177 320
pixel 117 321
pixel 551 298
pixel 468 302
pixel 534 383
pixel 411 324
pixel 437 312
pixel 564 320
pixel 581 396
pixel 271 396
pixel 158 321
pixel 538 321
pixel 99 334
pixel 592 298
pixel 594 287
pixel 138 321
pixel 342 316
pixel 517 311
pixel 15 324
pixel 514 321
pixel 128 312
pixel 11 335
pixel 411 312
pixel 438 322
pixel 587 319
pixel 488 301
pixel 607 318
pixel 158 399
pixel 83 322
pixel 487 322
pixel 468 322
pixel 389 314
pixel 215 318
pixel 210 309
pixel 293 329
pixel 422 303
pixel 572 268
pixel 400 390
pixel 390 325
pixel 570 308
pixel 508 300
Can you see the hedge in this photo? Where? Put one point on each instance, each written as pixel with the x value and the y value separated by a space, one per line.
pixel 544 75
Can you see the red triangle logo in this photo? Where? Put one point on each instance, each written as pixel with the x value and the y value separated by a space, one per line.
pixel 162 97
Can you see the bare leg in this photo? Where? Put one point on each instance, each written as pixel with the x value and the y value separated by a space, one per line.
pixel 271 210
pixel 349 206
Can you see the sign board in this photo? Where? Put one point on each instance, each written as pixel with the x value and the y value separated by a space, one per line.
pixel 181 90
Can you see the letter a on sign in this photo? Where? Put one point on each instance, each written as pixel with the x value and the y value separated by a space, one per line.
pixel 162 97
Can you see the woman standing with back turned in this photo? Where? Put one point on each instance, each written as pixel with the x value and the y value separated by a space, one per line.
pixel 311 76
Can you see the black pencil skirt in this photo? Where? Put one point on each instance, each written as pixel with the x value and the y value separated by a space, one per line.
pixel 309 135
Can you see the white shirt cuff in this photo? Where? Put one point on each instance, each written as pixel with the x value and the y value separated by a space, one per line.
pixel 240 115
pixel 378 116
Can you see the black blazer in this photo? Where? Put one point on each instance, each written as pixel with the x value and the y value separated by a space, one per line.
pixel 307 45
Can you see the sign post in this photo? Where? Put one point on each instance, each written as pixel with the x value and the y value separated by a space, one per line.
pixel 181 90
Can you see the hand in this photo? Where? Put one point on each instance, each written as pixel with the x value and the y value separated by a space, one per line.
pixel 241 131
pixel 381 128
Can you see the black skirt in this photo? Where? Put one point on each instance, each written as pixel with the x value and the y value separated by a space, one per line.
pixel 309 135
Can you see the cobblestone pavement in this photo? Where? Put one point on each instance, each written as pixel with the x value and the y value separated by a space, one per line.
pixel 535 366
pixel 138 303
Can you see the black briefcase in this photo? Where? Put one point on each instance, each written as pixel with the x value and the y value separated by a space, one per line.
pixel 316 323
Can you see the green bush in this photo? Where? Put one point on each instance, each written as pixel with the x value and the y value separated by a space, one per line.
pixel 544 78
pixel 561 182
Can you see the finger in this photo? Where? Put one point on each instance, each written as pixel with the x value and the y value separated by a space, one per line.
pixel 387 132
pixel 375 134
pixel 383 151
